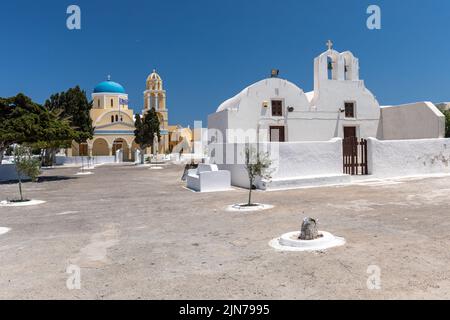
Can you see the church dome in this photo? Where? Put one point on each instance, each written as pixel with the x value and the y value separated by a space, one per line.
pixel 109 87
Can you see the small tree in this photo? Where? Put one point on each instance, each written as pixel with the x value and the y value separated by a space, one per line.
pixel 257 165
pixel 26 165
pixel 146 129
pixel 447 123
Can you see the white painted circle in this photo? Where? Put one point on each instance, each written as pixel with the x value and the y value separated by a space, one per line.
pixel 242 208
pixel 86 173
pixel 4 230
pixel 290 242
pixel 21 204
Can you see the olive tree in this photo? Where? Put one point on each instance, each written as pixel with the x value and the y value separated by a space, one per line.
pixel 26 166
pixel 257 165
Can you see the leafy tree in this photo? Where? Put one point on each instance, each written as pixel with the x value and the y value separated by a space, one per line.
pixel 26 166
pixel 72 106
pixel 146 128
pixel 23 121
pixel 447 123
pixel 257 165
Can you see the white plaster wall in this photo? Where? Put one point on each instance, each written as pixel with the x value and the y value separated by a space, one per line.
pixel 290 159
pixel 62 160
pixel 301 159
pixel 397 158
pixel 420 120
pixel 8 173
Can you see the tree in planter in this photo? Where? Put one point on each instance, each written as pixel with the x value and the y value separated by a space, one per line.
pixel 26 166
pixel 257 165
pixel 146 129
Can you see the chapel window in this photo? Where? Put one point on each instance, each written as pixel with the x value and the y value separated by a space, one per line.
pixel 330 68
pixel 277 108
pixel 117 118
pixel 349 109
pixel 112 118
pixel 112 103
pixel 98 103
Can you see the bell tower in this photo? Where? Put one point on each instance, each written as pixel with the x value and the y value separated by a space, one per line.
pixel 155 98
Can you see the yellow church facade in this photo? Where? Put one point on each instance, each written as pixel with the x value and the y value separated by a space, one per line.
pixel 113 121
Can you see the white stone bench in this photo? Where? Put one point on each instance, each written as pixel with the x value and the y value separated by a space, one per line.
pixel 207 178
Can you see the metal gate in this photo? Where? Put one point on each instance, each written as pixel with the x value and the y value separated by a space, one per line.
pixel 355 156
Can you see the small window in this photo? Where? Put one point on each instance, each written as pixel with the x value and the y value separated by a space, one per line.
pixel 277 108
pixel 98 103
pixel 112 103
pixel 121 119
pixel 112 118
pixel 349 109
pixel 117 118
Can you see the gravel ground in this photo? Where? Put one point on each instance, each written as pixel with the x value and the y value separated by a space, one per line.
pixel 139 234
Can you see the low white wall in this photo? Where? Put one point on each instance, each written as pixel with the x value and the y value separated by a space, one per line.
pixel 397 158
pixel 300 159
pixel 8 173
pixel 421 120
pixel 290 159
pixel 62 160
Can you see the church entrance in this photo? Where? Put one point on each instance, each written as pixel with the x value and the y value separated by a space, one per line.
pixel 121 144
pixel 355 156
pixel 349 132
pixel 277 134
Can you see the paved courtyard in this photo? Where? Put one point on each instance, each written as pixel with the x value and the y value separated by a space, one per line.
pixel 138 234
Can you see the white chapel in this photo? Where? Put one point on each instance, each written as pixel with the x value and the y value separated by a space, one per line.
pixel 340 105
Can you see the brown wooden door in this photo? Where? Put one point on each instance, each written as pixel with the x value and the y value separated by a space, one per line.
pixel 349 132
pixel 277 134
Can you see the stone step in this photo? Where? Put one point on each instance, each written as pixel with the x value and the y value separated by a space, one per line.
pixel 306 182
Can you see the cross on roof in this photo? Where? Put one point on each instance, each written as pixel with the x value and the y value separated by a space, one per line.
pixel 329 45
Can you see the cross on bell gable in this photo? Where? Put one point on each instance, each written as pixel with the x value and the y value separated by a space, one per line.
pixel 330 44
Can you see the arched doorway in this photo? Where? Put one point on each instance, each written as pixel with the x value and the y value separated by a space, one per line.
pixel 100 147
pixel 121 144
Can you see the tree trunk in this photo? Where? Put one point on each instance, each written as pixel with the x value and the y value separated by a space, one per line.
pixel 250 193
pixel 309 230
pixel 20 189
pixel 2 152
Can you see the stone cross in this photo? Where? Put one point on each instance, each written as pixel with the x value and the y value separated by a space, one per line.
pixel 329 45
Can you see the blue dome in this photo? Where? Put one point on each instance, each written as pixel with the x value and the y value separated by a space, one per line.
pixel 109 86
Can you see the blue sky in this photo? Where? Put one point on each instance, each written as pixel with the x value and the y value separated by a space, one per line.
pixel 208 50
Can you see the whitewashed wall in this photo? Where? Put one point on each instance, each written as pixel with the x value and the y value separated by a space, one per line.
pixel 420 120
pixel 62 160
pixel 300 159
pixel 290 159
pixel 397 158
pixel 8 173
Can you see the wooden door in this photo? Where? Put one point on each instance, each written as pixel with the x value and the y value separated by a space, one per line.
pixel 277 134
pixel 349 132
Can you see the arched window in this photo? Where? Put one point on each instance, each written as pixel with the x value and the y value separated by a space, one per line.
pixel 112 103
pixel 121 119
pixel 98 103
pixel 112 118
pixel 346 70
pixel 117 118
pixel 330 67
